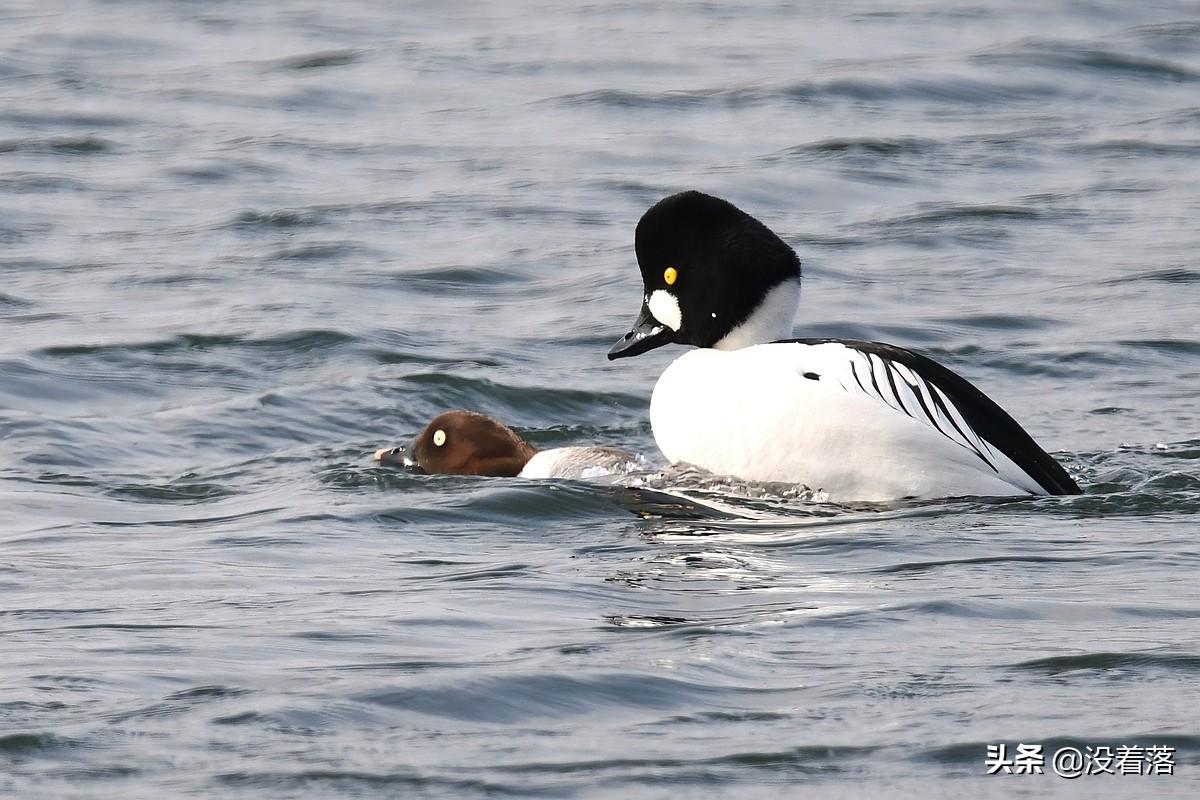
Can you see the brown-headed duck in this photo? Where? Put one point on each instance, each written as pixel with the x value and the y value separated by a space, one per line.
pixel 470 443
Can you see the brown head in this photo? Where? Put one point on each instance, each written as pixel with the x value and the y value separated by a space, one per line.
pixel 467 443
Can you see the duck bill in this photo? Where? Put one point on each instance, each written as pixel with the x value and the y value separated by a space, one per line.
pixel 397 457
pixel 647 333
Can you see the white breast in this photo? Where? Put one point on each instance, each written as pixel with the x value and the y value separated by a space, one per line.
pixel 753 414
pixel 579 463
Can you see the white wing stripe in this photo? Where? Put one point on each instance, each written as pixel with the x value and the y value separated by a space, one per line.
pixel 854 372
pixel 902 389
pixel 879 380
pixel 909 393
pixel 960 424
pixel 921 388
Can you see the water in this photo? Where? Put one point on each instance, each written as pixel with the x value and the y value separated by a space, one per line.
pixel 244 244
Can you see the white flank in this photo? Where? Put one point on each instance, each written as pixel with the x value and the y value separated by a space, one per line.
pixel 751 413
pixel 580 463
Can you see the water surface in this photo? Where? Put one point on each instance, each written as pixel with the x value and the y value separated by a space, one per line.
pixel 244 244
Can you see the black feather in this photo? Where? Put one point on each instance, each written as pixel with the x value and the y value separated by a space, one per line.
pixel 987 419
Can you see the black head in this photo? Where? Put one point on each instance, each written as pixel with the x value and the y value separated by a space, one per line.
pixel 706 265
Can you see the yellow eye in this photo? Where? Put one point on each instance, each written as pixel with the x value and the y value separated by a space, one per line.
pixel 439 437
pixel 670 275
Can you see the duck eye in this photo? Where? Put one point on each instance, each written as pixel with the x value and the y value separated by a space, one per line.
pixel 439 437
pixel 670 275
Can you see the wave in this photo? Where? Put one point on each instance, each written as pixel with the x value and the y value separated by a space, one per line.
pixel 1111 662
pixel 41 182
pixel 59 146
pixel 300 341
pixel 1081 58
pixel 12 301
pixel 941 89
pixel 1137 148
pixel 321 59
pixel 512 699
pixel 1168 275
pixel 889 147
pixel 1179 36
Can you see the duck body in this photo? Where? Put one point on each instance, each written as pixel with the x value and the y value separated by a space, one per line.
pixel 855 420
pixel 579 463
pixel 470 443
pixel 797 412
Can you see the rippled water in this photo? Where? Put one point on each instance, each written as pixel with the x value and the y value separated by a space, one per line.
pixel 244 244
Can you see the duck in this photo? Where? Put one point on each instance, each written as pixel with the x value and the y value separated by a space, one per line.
pixel 471 443
pixel 854 420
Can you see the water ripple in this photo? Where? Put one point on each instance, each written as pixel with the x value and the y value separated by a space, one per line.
pixel 1076 57
pixel 244 245
pixel 1112 662
pixel 521 698
pixel 59 145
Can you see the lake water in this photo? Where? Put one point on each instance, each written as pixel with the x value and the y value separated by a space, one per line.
pixel 243 244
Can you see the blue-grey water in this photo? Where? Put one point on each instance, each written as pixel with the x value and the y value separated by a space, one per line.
pixel 243 244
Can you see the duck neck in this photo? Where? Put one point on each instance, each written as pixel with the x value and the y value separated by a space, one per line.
pixel 770 321
pixel 505 466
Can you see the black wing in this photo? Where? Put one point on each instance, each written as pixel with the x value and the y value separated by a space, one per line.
pixel 978 413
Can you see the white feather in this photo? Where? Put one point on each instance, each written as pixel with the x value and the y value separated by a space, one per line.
pixel 665 308
pixel 580 463
pixel 752 413
pixel 772 319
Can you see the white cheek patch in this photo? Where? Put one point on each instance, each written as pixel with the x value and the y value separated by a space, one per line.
pixel 665 308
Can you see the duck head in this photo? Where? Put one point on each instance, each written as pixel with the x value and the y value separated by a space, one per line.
pixel 463 443
pixel 713 276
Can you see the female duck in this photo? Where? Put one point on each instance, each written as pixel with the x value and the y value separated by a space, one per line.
pixel 469 443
